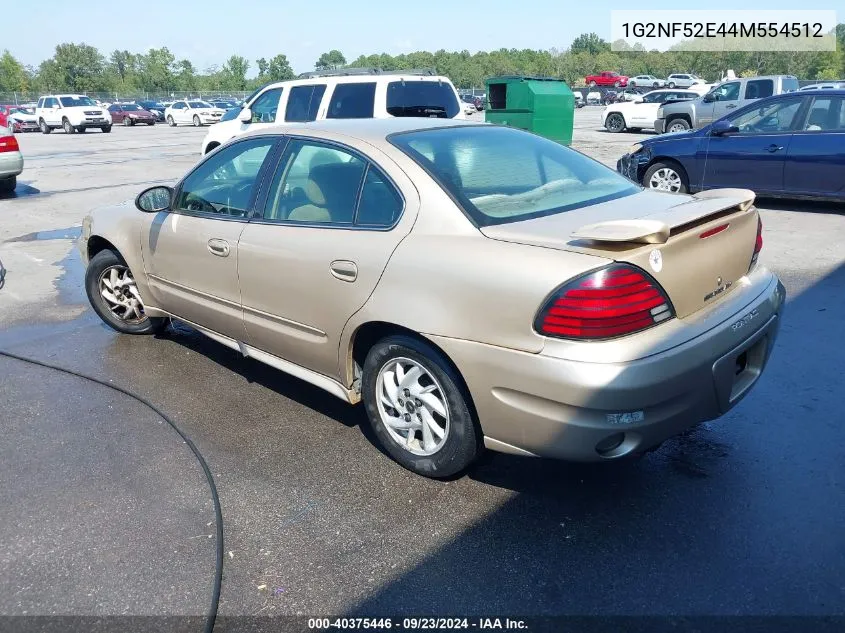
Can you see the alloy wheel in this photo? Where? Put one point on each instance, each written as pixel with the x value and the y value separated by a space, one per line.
pixel 120 294
pixel 412 406
pixel 665 179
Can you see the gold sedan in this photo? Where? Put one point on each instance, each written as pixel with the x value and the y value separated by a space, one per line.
pixel 473 285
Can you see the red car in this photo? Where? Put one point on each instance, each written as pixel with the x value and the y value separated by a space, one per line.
pixel 130 114
pixel 24 121
pixel 607 79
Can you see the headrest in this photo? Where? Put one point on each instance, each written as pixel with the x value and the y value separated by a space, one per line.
pixel 334 185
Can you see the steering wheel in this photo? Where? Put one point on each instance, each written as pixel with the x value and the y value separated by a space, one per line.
pixel 198 205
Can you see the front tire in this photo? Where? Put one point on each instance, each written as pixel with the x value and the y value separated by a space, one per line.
pixel 677 125
pixel 45 129
pixel 418 407
pixel 68 128
pixel 171 122
pixel 127 122
pixel 592 84
pixel 671 84
pixel 106 129
pixel 615 122
pixel 666 176
pixel 81 129
pixel 114 296
pixel 197 122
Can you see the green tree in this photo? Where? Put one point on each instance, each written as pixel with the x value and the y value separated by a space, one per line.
pixel 589 43
pixel 76 67
pixel 331 60
pixel 263 66
pixel 123 64
pixel 13 75
pixel 186 75
pixel 156 72
pixel 234 73
pixel 279 69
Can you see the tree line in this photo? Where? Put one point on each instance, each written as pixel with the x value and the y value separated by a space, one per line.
pixel 82 68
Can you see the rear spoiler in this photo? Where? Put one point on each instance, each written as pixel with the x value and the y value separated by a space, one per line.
pixel 657 227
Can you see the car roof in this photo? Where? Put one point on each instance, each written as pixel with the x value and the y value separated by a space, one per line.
pixel 369 130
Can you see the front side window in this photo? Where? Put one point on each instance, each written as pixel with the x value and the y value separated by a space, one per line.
pixel 499 174
pixel 352 101
pixel 777 117
pixel 759 88
pixel 421 98
pixel 304 102
pixel 727 92
pixel 315 184
pixel 264 108
pixel 654 97
pixel 224 184
pixel 826 114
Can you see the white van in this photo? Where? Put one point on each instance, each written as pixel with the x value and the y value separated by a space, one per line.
pixel 73 113
pixel 348 93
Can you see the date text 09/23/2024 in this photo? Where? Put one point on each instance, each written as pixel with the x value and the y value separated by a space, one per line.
pixel 416 624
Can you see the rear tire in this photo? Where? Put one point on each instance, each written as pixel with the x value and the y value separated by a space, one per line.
pixel 434 401
pixel 666 176
pixel 7 185
pixel 81 129
pixel 96 275
pixel 592 84
pixel 615 122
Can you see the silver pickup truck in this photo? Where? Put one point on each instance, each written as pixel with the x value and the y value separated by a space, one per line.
pixel 722 99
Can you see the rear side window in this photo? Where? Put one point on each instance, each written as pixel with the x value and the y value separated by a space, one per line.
pixel 304 102
pixel 352 101
pixel 380 204
pixel 759 88
pixel 421 98
pixel 790 84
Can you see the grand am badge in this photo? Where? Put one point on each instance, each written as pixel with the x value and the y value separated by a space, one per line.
pixel 655 260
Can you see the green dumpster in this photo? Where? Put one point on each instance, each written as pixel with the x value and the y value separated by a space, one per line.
pixel 542 105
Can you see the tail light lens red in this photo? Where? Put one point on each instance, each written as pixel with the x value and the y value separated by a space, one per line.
pixel 8 144
pixel 758 245
pixel 614 301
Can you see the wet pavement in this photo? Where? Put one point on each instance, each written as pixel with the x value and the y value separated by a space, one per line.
pixel 742 516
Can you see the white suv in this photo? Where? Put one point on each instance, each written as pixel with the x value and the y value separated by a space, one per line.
pixel 348 93
pixel 73 113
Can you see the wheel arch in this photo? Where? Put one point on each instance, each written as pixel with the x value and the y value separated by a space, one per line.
pixel 679 115
pixel 97 244
pixel 213 145
pixel 371 332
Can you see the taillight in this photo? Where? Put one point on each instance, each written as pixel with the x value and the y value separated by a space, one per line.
pixel 758 244
pixel 614 301
pixel 8 144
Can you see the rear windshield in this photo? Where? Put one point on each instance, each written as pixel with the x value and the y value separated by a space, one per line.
pixel 500 175
pixel 421 98
pixel 73 102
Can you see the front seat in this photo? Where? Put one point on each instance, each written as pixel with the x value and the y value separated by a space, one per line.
pixel 331 190
pixel 817 121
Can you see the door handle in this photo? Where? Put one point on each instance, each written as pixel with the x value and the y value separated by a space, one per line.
pixel 730 106
pixel 774 148
pixel 218 247
pixel 344 270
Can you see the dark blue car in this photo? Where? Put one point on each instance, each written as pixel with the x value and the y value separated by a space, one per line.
pixel 789 145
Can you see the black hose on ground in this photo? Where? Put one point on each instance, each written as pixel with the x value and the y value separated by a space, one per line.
pixel 218 514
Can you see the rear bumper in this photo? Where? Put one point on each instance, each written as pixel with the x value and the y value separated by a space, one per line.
pixel 541 405
pixel 11 164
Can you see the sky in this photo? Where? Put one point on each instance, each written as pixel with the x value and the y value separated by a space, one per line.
pixel 207 32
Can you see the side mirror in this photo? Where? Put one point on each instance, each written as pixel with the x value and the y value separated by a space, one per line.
pixel 708 98
pixel 722 128
pixel 245 116
pixel 154 199
pixel 639 101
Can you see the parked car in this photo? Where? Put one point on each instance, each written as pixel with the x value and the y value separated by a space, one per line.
pixel 73 113
pixel 787 145
pixel 607 79
pixel 11 162
pixel 130 114
pixel 646 81
pixel 223 104
pixel 530 328
pixel 636 115
pixel 683 80
pixel 727 96
pixel 828 86
pixel 156 108
pixel 594 97
pixel 468 104
pixel 18 119
pixel 340 94
pixel 197 113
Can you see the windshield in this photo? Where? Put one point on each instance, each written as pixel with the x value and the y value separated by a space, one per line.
pixel 499 174
pixel 130 106
pixel 200 104
pixel 22 111
pixel 421 98
pixel 73 102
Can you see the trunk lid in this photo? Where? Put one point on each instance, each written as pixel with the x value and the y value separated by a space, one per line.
pixel 696 247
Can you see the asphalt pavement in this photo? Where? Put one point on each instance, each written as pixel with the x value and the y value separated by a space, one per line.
pixel 106 511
